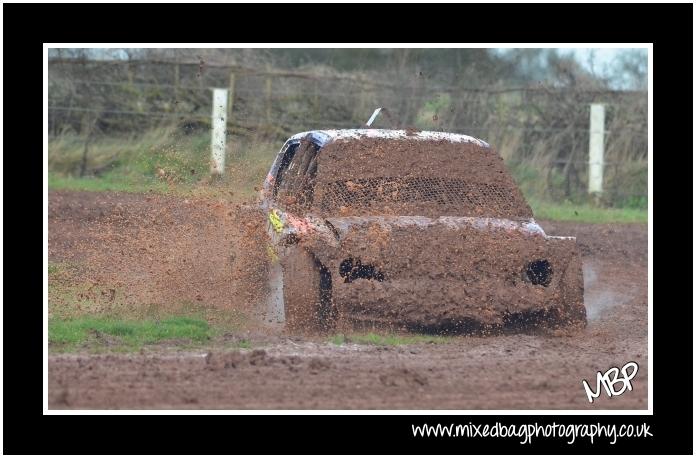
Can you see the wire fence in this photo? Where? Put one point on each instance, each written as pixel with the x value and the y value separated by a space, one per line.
pixel 541 132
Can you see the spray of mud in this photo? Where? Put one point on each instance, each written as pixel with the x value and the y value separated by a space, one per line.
pixel 155 253
pixel 600 299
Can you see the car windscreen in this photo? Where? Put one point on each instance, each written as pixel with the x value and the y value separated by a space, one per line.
pixel 372 176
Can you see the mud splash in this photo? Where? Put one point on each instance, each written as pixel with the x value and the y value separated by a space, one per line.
pixel 138 252
pixel 600 298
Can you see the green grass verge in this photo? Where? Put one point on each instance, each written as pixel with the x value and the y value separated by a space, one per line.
pixel 587 213
pixel 76 306
pixel 69 300
pixel 161 161
pixel 240 344
pixel 93 332
pixel 388 339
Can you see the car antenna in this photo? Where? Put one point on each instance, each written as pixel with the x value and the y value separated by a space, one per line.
pixel 377 112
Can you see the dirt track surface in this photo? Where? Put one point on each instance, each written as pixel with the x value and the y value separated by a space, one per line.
pixel 105 233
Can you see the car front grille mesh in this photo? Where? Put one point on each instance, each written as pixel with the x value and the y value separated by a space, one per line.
pixel 468 197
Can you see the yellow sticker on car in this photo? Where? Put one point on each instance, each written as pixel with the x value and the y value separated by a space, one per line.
pixel 275 221
pixel 271 253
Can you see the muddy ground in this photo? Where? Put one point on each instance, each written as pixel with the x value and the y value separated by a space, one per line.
pixel 126 250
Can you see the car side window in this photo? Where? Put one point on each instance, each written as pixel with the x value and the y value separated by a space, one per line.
pixel 283 167
pixel 295 182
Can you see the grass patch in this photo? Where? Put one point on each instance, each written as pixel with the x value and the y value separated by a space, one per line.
pixel 587 213
pixel 162 160
pixel 244 343
pixel 103 332
pixel 338 339
pixel 386 339
pixel 73 300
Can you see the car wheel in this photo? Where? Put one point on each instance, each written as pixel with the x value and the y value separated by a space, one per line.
pixel 306 292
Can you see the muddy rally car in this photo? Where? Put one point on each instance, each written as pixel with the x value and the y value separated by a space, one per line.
pixel 410 230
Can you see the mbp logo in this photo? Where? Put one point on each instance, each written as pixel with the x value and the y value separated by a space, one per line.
pixel 610 378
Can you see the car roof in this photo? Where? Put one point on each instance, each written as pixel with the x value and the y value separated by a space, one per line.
pixel 323 137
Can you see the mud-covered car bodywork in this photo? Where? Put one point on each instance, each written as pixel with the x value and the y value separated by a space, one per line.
pixel 424 230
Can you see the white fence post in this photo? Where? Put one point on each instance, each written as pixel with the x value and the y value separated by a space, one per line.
pixel 596 148
pixel 217 143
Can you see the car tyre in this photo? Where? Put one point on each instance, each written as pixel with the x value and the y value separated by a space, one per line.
pixel 306 292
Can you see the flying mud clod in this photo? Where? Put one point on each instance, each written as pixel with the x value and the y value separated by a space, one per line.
pixel 411 230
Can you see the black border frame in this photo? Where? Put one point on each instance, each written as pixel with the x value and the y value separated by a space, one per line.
pixel 27 27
